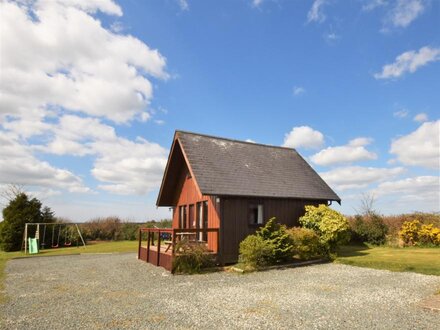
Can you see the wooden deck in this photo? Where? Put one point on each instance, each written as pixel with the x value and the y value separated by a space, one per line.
pixel 159 250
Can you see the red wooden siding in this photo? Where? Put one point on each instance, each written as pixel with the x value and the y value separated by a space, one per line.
pixel 189 195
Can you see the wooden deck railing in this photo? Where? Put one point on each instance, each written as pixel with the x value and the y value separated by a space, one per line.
pixel 160 251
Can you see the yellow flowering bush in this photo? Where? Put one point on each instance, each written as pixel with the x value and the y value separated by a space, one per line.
pixel 414 233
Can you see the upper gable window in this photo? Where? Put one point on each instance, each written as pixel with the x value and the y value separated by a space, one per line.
pixel 255 214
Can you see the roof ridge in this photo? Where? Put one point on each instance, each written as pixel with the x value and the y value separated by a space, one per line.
pixel 235 140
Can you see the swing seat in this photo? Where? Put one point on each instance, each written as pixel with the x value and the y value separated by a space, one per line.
pixel 54 246
pixel 68 244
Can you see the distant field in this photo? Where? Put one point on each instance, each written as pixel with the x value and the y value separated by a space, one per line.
pixel 93 247
pixel 410 259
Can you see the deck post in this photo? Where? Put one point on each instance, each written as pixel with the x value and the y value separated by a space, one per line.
pixel 158 246
pixel 148 246
pixel 140 241
pixel 173 239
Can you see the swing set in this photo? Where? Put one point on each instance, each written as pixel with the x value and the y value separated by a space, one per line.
pixel 34 244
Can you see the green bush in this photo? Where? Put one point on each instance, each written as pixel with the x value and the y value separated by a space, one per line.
pixel 255 251
pixel 305 243
pixel 276 236
pixel 369 229
pixel 331 226
pixel 191 258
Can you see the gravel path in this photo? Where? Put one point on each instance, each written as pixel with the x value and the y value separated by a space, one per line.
pixel 117 292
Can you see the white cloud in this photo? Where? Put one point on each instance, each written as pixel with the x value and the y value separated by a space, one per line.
pixel 316 12
pixel 419 148
pixel 401 113
pixel 414 193
pixel 257 3
pixel 409 61
pixel 303 137
pixel 298 90
pixel 46 56
pixel 355 177
pixel 183 4
pixel 63 73
pixel 421 117
pixel 19 165
pixel 373 4
pixel 123 166
pixel 354 151
pixel 405 12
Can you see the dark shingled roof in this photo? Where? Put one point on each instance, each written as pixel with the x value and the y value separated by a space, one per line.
pixel 230 167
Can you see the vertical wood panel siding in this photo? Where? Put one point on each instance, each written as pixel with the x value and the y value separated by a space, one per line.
pixel 236 225
pixel 189 195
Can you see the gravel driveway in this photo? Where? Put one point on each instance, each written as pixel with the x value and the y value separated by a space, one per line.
pixel 118 291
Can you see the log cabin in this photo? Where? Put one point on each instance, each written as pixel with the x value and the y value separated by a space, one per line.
pixel 221 190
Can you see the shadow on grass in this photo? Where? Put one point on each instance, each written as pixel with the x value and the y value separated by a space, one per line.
pixel 352 250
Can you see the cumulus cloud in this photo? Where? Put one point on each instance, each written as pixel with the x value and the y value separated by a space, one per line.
pixel 18 165
pixel 419 193
pixel 63 75
pixel 316 12
pixel 298 90
pixel 303 137
pixel 409 61
pixel 419 148
pixel 355 177
pixel 421 117
pixel 123 166
pixel 46 56
pixel 405 12
pixel 354 151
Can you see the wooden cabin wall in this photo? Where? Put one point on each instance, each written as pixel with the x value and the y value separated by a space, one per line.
pixel 235 219
pixel 189 195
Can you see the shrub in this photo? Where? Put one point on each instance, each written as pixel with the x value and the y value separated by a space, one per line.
pixel 255 251
pixel 191 258
pixel 415 233
pixel 305 243
pixel 276 236
pixel 331 226
pixel 409 233
pixel 429 235
pixel 395 222
pixel 369 229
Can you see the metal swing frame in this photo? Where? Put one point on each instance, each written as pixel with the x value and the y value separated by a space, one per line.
pixel 45 224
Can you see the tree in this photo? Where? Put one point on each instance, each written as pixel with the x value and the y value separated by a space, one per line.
pixel 15 215
pixel 47 215
pixel 331 226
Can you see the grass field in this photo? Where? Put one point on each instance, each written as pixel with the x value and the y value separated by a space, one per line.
pixel 94 247
pixel 418 260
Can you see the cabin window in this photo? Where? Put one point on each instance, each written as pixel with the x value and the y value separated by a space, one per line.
pixel 192 218
pixel 256 214
pixel 182 216
pixel 202 220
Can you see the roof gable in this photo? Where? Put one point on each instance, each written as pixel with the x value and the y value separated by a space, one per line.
pixel 227 167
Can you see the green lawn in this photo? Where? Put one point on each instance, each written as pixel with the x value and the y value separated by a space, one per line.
pixel 410 259
pixel 97 247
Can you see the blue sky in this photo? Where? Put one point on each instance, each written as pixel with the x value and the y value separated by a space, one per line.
pixel 92 92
